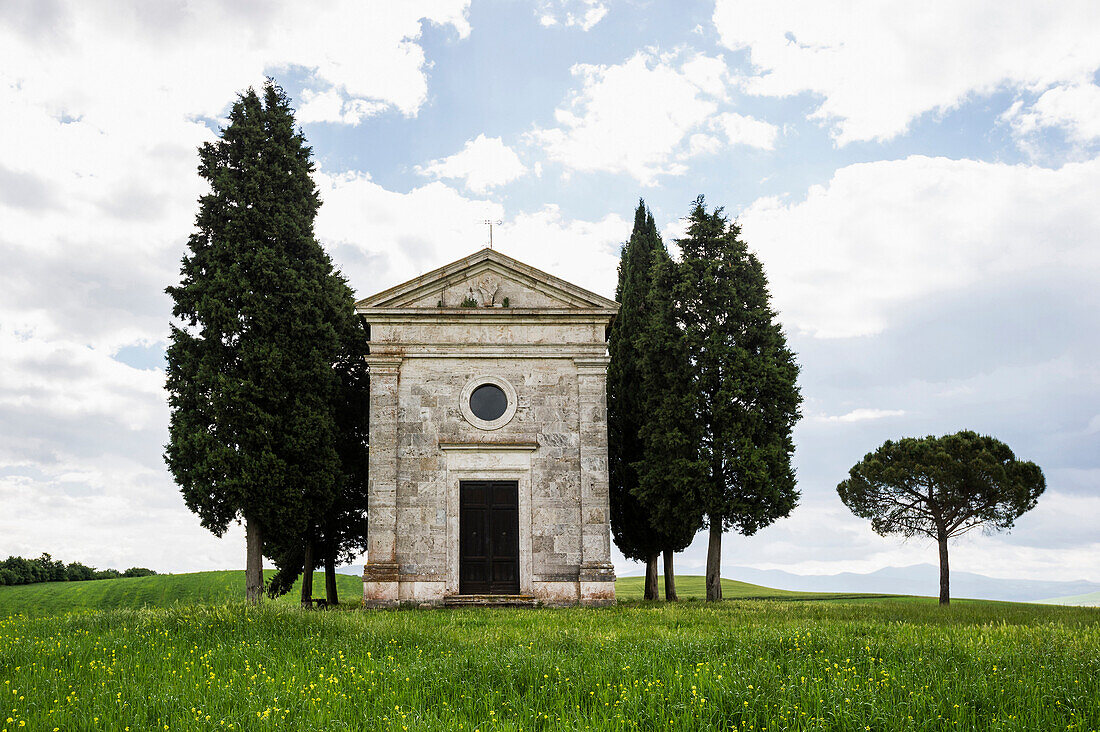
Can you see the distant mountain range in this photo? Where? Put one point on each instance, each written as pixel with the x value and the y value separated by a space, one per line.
pixel 918 579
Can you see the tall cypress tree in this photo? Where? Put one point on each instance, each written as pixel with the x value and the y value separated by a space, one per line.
pixel 250 372
pixel 652 509
pixel 336 531
pixel 343 528
pixel 630 525
pixel 745 379
pixel 669 477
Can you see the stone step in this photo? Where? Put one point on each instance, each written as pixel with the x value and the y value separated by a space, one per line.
pixel 490 600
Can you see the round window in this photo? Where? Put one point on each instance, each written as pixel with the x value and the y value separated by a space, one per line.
pixel 488 402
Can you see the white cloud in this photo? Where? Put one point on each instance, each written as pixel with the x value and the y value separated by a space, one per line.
pixel 483 163
pixel 105 101
pixel 118 66
pixel 331 106
pixel 880 236
pixel 380 237
pixel 584 14
pixel 97 200
pixel 1074 108
pixel 634 117
pixel 583 252
pixel 749 131
pixel 860 415
pixel 878 65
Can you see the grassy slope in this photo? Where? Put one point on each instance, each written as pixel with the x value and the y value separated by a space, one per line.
pixel 1092 599
pixel 162 590
pixel 692 587
pixel 212 588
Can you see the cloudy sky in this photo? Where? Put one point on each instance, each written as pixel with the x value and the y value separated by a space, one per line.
pixel 920 180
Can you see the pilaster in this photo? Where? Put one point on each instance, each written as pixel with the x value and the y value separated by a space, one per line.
pixel 380 575
pixel 597 575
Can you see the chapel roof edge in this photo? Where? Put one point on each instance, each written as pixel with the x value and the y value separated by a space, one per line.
pixel 396 296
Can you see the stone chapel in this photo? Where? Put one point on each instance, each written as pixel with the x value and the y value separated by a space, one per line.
pixel 488 438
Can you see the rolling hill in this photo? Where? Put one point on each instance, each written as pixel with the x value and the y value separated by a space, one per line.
pixel 162 590
pixel 1092 599
pixel 212 588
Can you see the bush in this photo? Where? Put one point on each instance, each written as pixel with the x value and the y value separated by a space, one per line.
pixel 108 574
pixel 138 572
pixel 50 570
pixel 22 571
pixel 77 572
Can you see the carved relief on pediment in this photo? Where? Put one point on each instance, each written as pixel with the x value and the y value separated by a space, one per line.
pixel 485 289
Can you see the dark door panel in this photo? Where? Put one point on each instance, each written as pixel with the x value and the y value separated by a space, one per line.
pixel 488 537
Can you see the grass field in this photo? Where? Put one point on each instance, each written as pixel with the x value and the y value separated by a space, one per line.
pixel 162 590
pixel 775 664
pixel 693 587
pixel 211 588
pixel 746 664
pixel 1092 599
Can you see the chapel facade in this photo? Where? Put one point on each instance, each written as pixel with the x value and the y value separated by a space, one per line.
pixel 488 438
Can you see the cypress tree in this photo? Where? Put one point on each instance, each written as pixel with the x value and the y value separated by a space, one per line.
pixel 652 510
pixel 745 381
pixel 630 525
pixel 336 530
pixel 250 368
pixel 343 528
pixel 669 477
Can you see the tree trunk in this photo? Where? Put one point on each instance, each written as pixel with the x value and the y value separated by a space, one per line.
pixel 650 592
pixel 330 582
pixel 714 561
pixel 254 561
pixel 670 578
pixel 945 574
pixel 307 576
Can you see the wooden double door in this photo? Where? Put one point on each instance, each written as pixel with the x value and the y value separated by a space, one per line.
pixel 488 554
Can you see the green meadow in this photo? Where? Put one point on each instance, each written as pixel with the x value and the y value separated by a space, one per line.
pixel 161 590
pixel 856 663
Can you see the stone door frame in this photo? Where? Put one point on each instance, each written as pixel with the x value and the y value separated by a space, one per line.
pixel 489 462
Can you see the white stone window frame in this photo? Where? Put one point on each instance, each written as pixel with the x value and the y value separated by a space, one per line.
pixel 509 411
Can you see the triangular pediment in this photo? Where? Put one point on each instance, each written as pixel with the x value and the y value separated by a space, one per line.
pixel 488 278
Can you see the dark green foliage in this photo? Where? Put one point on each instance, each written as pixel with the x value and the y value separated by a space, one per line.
pixel 343 528
pixel 744 380
pixel 138 572
pixel 942 487
pixel 653 499
pixel 77 572
pixel 630 525
pixel 338 529
pixel 20 571
pixel 468 302
pixel 669 471
pixel 52 570
pixel 250 372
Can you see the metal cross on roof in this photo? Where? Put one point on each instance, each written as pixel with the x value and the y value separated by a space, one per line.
pixel 490 222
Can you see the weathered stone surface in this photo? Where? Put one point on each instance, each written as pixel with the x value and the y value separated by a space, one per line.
pixel 548 350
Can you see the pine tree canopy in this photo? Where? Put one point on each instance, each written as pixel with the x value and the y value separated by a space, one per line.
pixel 250 366
pixel 942 487
pixel 744 377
